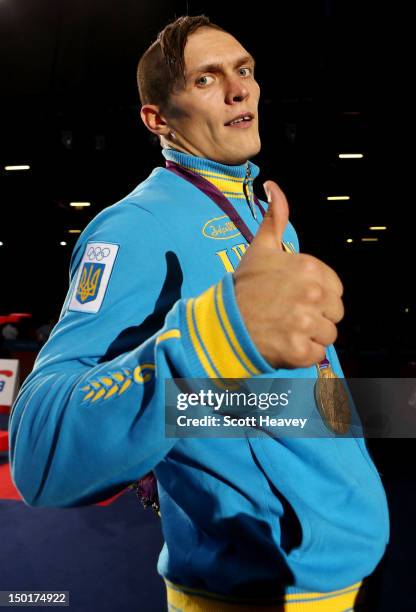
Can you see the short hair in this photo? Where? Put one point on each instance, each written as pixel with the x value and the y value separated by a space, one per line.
pixel 161 68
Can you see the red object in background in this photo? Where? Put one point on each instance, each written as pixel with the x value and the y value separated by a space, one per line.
pixel 14 317
pixel 4 441
pixel 7 488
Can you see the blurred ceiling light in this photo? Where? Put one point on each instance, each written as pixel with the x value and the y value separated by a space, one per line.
pixel 377 227
pixel 16 168
pixel 74 231
pixel 406 310
pixel 1 243
pixel 338 197
pixel 350 155
pixel 63 243
pixel 349 239
pixel 66 139
pixel 79 204
pixel 369 239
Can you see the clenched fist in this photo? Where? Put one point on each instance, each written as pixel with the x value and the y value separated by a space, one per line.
pixel 289 302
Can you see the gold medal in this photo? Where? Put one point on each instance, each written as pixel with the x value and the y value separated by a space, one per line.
pixel 332 400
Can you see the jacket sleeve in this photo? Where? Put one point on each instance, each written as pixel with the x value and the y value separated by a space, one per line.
pixel 90 418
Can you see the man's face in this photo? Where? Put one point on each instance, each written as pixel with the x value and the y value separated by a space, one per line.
pixel 220 85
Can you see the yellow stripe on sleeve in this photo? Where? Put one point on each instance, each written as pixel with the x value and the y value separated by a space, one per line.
pixel 215 340
pixel 195 342
pixel 236 345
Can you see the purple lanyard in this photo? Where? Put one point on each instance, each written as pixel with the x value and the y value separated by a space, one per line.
pixel 215 194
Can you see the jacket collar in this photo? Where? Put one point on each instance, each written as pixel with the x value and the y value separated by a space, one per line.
pixel 228 179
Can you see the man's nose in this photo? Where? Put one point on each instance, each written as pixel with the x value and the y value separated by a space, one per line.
pixel 236 90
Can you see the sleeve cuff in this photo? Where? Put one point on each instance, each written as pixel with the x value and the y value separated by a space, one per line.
pixel 217 342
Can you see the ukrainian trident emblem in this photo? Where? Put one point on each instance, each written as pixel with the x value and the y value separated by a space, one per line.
pixel 90 281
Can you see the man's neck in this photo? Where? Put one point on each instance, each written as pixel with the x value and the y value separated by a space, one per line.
pixel 232 181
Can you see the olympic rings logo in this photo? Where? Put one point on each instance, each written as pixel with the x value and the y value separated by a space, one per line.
pixel 98 253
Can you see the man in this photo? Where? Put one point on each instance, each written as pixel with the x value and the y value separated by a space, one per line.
pixel 249 523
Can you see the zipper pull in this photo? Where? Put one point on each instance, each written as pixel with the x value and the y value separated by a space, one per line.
pixel 247 192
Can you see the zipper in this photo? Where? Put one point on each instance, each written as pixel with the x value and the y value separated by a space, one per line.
pixel 247 192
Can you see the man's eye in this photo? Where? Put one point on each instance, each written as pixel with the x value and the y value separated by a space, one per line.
pixel 248 69
pixel 203 80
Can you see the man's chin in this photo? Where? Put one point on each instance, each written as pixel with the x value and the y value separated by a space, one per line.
pixel 241 157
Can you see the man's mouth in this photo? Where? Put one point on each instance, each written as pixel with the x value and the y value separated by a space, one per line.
pixel 243 120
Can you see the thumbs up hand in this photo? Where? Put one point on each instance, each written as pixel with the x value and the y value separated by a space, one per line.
pixel 289 302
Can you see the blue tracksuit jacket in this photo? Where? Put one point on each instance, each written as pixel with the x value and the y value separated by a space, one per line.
pixel 151 297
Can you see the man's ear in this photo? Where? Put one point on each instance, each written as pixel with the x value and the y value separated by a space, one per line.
pixel 153 120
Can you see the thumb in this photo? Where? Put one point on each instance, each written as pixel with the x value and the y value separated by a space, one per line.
pixel 270 232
